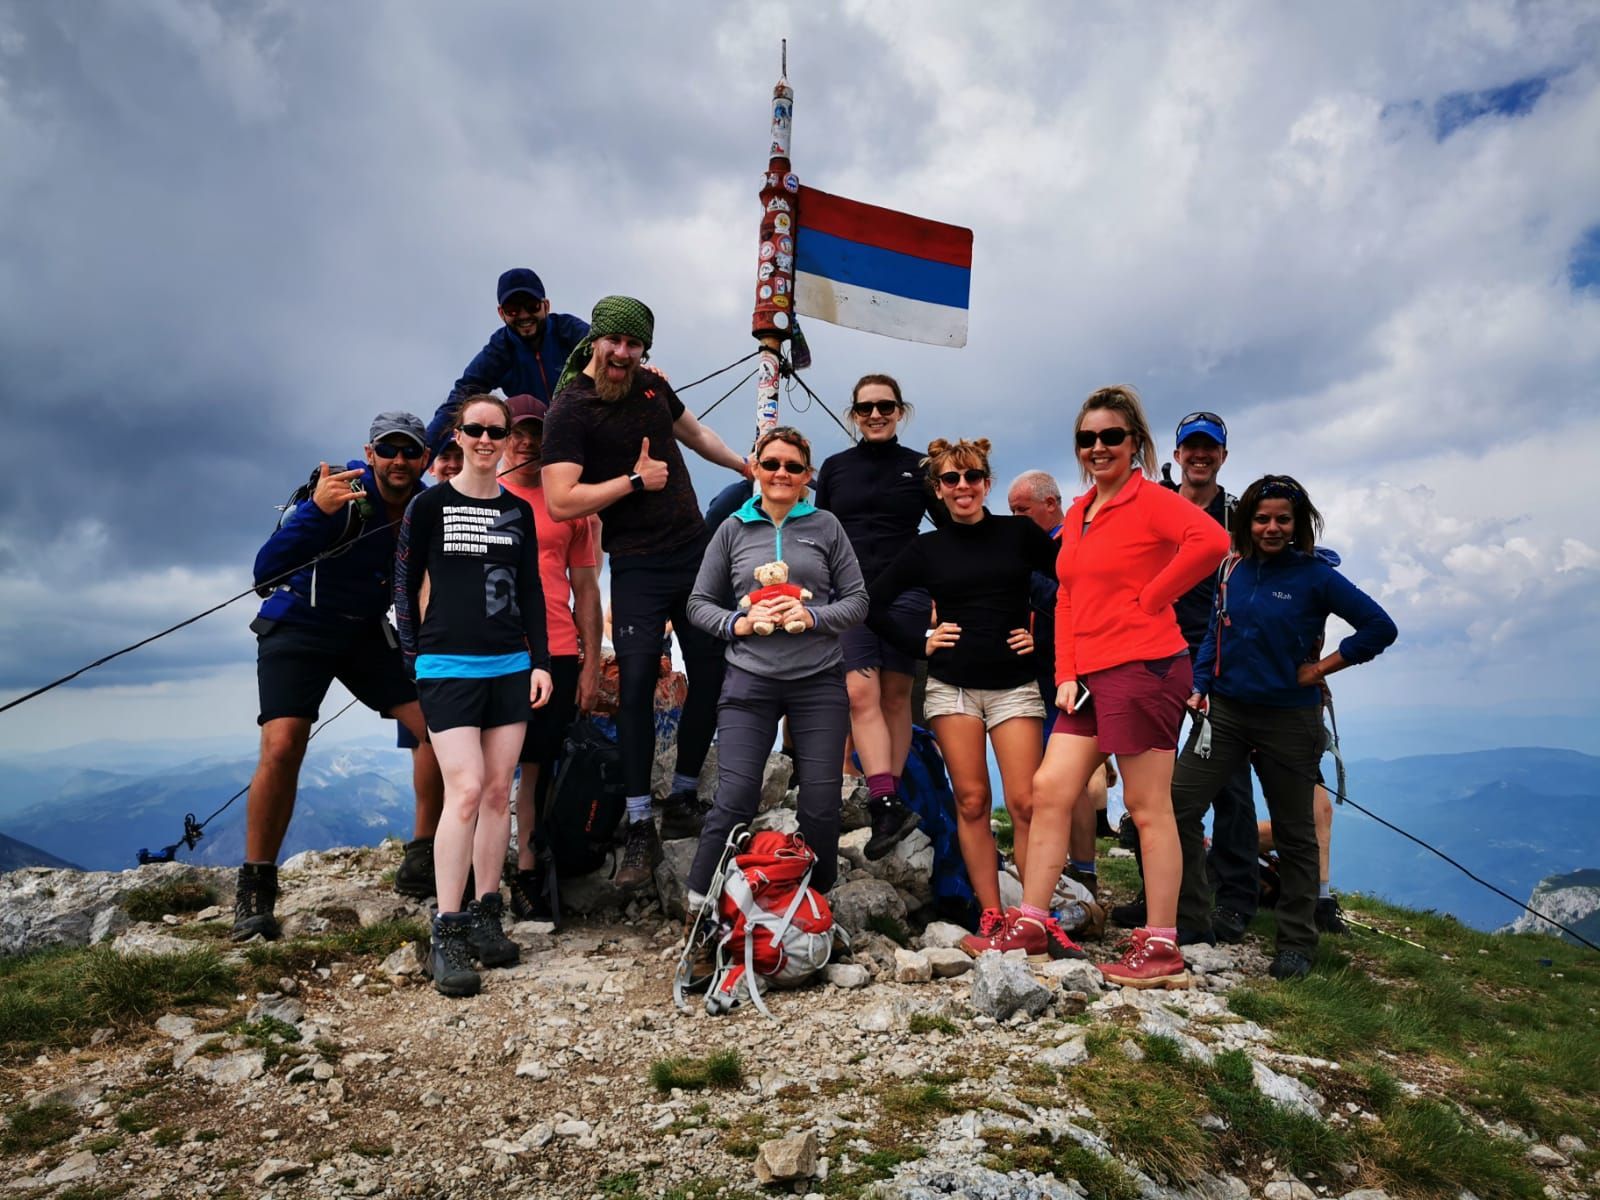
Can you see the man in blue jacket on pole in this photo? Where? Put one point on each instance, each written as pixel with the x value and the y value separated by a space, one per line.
pixel 523 359
pixel 326 573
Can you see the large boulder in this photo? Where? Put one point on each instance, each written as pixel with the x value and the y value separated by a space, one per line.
pixel 41 906
pixel 1002 986
pixel 672 875
pixel 861 898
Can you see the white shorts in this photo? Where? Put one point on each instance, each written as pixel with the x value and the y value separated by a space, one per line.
pixel 993 706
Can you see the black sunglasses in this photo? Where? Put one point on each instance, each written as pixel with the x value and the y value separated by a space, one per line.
pixel 409 451
pixel 773 465
pixel 1107 437
pixel 1205 416
pixel 971 475
pixel 885 408
pixel 474 430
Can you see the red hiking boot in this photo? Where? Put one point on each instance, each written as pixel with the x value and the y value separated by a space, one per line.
pixel 1042 938
pixel 990 925
pixel 1150 962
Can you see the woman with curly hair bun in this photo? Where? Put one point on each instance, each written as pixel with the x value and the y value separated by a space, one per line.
pixel 1128 550
pixel 980 680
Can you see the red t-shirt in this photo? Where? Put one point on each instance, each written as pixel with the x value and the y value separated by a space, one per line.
pixel 562 544
pixel 1145 548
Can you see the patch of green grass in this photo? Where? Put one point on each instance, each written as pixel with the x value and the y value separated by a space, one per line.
pixel 167 1135
pixel 58 997
pixel 1424 1145
pixel 928 1022
pixel 720 1069
pixel 890 927
pixel 207 1135
pixel 870 1167
pixel 174 896
pixel 371 1149
pixel 1148 1111
pixel 1005 834
pixel 94 1191
pixel 1298 1142
pixel 270 1035
pixel 136 1120
pixel 1102 1178
pixel 917 1103
pixel 103 1144
pixel 33 1128
pixel 300 954
pixel 623 1184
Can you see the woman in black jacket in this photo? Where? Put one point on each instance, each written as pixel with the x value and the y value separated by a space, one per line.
pixel 878 491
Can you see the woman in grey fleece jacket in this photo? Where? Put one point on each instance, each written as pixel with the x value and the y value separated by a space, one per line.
pixel 795 675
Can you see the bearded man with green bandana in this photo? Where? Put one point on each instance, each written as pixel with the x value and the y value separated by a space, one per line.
pixel 611 447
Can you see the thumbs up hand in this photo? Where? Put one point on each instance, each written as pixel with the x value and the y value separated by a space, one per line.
pixel 652 470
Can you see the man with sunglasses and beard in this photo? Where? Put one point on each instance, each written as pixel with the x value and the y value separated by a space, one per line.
pixel 611 447
pixel 329 568
pixel 524 358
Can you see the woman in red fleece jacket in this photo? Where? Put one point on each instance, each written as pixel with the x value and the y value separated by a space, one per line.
pixel 1128 549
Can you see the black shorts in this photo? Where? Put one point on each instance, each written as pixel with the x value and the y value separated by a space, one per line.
pixel 649 589
pixel 547 726
pixel 479 703
pixel 295 664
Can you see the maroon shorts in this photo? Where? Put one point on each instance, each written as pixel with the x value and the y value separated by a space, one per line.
pixel 1133 707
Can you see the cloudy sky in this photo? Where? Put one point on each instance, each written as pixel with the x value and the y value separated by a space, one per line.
pixel 1369 234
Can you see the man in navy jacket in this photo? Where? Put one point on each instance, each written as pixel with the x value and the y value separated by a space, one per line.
pixel 523 359
pixel 326 573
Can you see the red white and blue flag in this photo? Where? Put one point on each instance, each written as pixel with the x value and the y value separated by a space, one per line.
pixel 880 271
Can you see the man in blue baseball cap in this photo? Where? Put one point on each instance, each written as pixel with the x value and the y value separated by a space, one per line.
pixel 522 359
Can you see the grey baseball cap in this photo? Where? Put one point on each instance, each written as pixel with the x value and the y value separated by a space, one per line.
pixel 387 423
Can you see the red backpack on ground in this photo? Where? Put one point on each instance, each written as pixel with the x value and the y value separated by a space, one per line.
pixel 773 927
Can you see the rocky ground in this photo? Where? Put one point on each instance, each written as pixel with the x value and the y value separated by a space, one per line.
pixel 911 1071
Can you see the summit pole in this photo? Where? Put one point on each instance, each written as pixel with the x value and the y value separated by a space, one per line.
pixel 773 321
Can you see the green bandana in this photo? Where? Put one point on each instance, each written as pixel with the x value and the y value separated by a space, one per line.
pixel 612 315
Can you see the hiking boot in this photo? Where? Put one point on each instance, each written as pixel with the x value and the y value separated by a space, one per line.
pixel 1229 925
pixel 640 854
pixel 1084 919
pixel 1290 964
pixel 253 901
pixel 682 815
pixel 1089 880
pixel 490 945
pixel 1131 915
pixel 415 875
pixel 1127 833
pixel 1196 937
pixel 1042 938
pixel 1330 917
pixel 1057 942
pixel 530 899
pixel 891 821
pixel 449 961
pixel 1150 962
pixel 990 925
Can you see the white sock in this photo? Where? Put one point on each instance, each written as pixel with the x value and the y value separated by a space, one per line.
pixel 1325 892
pixel 638 809
pixel 684 783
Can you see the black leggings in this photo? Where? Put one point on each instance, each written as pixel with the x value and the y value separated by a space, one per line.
pixel 636 710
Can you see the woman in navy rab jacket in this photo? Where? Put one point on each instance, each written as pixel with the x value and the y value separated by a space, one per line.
pixel 1259 692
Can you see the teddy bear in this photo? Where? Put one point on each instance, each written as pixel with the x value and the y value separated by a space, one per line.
pixel 774 580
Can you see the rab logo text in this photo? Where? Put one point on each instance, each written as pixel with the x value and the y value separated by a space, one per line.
pixel 1282 595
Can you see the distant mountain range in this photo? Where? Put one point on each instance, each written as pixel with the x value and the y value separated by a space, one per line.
pixel 1515 816
pixel 15 854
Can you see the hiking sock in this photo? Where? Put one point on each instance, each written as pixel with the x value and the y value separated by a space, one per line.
pixel 1325 891
pixel 1038 914
pixel 638 808
pixel 881 784
pixel 1169 932
pixel 1083 867
pixel 693 902
pixel 684 783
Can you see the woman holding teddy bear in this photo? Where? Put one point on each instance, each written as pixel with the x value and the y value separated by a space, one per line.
pixel 799 586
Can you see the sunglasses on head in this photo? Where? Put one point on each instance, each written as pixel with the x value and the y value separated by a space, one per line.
pixel 884 408
pixel 1281 487
pixel 1086 438
pixel 773 465
pixel 409 451
pixel 971 475
pixel 474 430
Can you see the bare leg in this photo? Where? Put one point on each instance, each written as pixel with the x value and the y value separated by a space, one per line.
pixel 961 742
pixel 1147 791
pixel 1018 747
pixel 1091 802
pixel 896 691
pixel 1069 761
pixel 426 782
pixel 527 815
pixel 272 787
pixel 1322 811
pixel 501 745
pixel 867 726
pixel 460 752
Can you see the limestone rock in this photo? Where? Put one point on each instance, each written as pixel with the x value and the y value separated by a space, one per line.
pixel 175 1027
pixel 853 812
pixel 1544 1156
pixel 672 876
pixel 911 967
pixel 1288 1189
pixel 1211 959
pixel 777 820
pixel 42 906
pixel 279 1008
pixel 1571 1143
pixel 947 962
pixel 864 897
pixel 1286 1091
pixel 786 1158
pixel 1366 1194
pixel 942 935
pixel 847 975
pixel 229 1069
pixel 75 1167
pixel 143 939
pixel 1070 1053
pixel 278 1168
pixel 775 778
pixel 1075 975
pixel 1003 986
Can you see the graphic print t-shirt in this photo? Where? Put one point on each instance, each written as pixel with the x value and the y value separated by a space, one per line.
pixel 481 561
